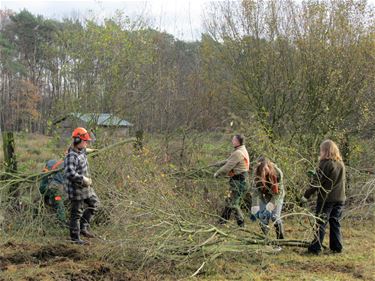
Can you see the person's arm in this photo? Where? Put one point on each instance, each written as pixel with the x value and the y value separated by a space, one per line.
pixel 255 202
pixel 278 198
pixel 231 162
pixel 70 169
pixel 59 177
pixel 220 163
pixel 320 181
pixel 255 195
pixel 313 187
pixel 44 184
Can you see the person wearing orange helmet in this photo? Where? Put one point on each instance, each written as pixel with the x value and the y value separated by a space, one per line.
pixel 79 186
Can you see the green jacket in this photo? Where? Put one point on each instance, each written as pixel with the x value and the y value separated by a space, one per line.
pixel 329 182
pixel 269 196
pixel 54 179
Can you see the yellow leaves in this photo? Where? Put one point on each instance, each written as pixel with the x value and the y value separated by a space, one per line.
pixel 145 151
pixel 26 100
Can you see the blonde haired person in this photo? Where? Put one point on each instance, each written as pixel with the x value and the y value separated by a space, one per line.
pixel 329 183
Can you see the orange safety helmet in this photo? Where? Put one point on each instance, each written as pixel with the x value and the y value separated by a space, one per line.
pixel 81 133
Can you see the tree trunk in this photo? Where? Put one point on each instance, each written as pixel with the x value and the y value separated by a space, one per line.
pixel 9 152
pixel 10 160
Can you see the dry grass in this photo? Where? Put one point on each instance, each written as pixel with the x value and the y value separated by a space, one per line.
pixel 356 263
pixel 38 259
pixel 150 226
pixel 32 151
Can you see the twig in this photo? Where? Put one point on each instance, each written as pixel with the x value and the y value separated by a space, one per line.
pixel 198 270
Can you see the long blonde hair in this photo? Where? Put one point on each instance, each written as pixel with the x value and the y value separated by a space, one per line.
pixel 330 151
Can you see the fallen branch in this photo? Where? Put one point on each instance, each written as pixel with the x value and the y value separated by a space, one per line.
pixel 8 179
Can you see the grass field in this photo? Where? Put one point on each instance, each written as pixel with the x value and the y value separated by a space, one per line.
pixel 32 151
pixel 37 249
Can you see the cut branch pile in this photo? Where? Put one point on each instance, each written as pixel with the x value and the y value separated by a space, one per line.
pixel 149 218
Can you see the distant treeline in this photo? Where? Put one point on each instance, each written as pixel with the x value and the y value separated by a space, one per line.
pixel 295 70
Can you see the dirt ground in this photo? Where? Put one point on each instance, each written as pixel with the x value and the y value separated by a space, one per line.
pixel 61 260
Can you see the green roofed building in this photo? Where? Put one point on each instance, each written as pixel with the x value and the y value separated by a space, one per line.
pixel 105 124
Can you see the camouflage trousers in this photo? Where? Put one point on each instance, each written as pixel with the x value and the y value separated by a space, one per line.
pixel 237 191
pixel 54 197
pixel 82 211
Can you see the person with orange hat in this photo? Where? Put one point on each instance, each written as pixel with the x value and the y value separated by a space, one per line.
pixel 79 187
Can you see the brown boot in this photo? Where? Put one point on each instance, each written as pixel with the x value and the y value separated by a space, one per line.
pixel 87 234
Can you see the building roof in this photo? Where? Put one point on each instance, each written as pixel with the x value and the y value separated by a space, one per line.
pixel 100 119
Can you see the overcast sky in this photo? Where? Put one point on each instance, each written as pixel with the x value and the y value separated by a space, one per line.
pixel 182 18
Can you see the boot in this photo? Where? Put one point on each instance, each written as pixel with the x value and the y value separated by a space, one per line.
pixel 84 227
pixel 225 215
pixel 80 242
pixel 279 230
pixel 241 223
pixel 87 234
pixel 265 228
pixel 74 237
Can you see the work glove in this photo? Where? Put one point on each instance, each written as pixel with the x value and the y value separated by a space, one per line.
pixel 303 201
pixel 254 213
pixel 254 210
pixel 86 181
pixel 90 150
pixel 270 206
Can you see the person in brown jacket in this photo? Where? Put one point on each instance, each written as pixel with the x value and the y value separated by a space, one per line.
pixel 237 168
pixel 329 183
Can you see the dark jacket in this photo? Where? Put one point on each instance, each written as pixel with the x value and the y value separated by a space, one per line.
pixel 75 167
pixel 329 182
pixel 55 179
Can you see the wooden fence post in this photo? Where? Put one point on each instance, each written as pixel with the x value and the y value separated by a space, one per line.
pixel 10 160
